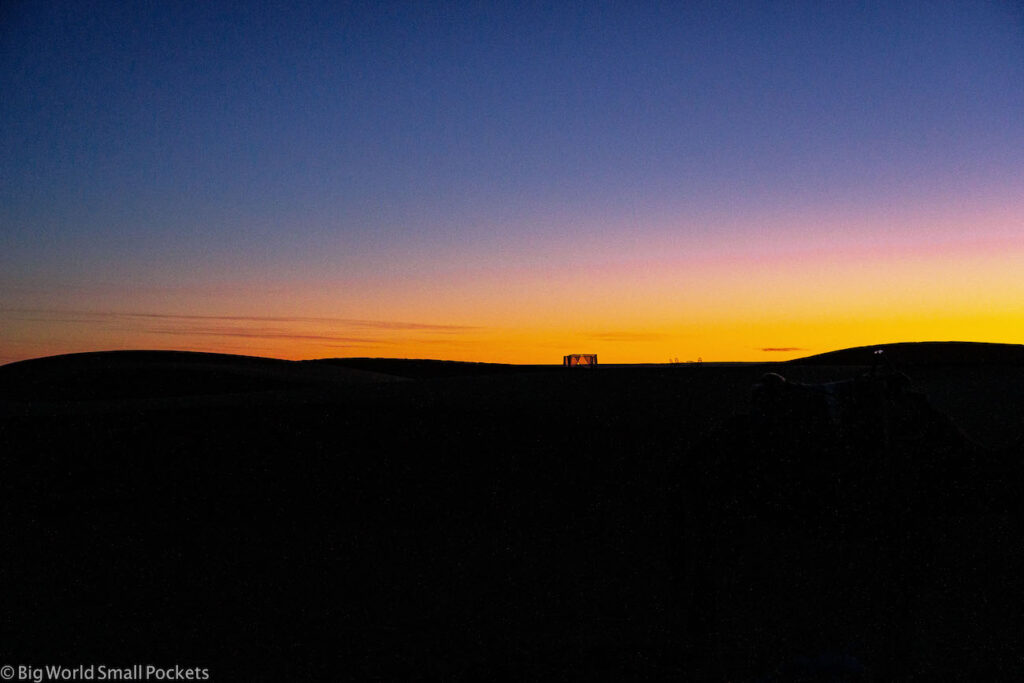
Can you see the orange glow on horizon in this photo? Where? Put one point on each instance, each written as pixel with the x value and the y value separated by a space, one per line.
pixel 775 297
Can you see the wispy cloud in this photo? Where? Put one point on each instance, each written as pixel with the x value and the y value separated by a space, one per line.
pixel 782 348
pixel 57 315
pixel 625 336
pixel 266 334
pixel 248 332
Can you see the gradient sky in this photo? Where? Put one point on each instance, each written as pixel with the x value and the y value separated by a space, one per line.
pixel 477 181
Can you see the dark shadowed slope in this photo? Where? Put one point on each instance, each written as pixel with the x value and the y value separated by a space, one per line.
pixel 629 524
pixel 416 368
pixel 108 375
pixel 923 353
pixel 979 385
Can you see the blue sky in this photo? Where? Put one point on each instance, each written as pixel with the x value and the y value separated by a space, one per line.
pixel 149 141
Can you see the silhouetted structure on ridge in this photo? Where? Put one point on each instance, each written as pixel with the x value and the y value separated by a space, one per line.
pixel 588 359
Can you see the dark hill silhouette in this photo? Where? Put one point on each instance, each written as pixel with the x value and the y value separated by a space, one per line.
pixel 922 353
pixel 105 375
pixel 489 521
pixel 422 368
pixel 977 384
pixel 810 471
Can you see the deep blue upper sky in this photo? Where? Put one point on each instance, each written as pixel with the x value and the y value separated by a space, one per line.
pixel 143 133
pixel 269 102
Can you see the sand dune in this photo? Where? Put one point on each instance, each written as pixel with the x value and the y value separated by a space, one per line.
pixel 112 375
pixel 923 353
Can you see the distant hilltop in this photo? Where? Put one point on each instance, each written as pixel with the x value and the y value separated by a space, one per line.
pixel 923 353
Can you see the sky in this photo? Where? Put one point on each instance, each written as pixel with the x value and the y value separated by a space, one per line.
pixel 510 182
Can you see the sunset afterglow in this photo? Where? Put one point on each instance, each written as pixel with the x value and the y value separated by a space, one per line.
pixel 751 183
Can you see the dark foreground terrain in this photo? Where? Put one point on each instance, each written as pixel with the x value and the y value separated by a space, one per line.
pixel 381 520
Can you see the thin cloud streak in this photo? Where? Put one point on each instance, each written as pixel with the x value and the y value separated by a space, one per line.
pixel 782 348
pixel 77 316
pixel 626 336
pixel 268 334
